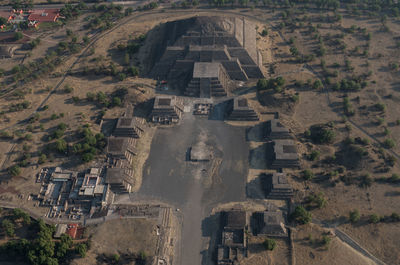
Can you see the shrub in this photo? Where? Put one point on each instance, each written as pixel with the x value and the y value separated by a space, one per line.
pixel 269 244
pixel 81 249
pixel 380 107
pixel 264 32
pixel 8 227
pixel 301 215
pixel 395 217
pixel 68 89
pixel 14 170
pixel 322 135
pixel 354 216
pixel 61 145
pixel 314 155
pixel 317 84
pixel 374 218
pixel 42 159
pixel 317 199
pixel 308 175
pixel 389 143
pixel 326 240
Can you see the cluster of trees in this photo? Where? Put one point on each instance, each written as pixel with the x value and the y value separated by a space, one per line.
pixel 276 84
pixel 108 14
pixel 301 215
pixel 149 6
pixel 9 222
pixel 103 100
pixel 89 145
pixel 40 249
pixel 350 84
pixel 70 11
pixel 316 200
pixel 355 217
pixel 35 69
pixel 321 134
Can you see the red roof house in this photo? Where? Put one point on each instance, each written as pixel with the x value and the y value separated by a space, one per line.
pixel 71 230
pixel 44 15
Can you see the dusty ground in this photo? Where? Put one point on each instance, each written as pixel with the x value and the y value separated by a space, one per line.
pixel 314 106
pixel 125 236
pixel 312 252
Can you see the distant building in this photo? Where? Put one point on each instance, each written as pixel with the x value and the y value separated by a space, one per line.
pixel 239 110
pixel 285 154
pixel 167 110
pixel 44 15
pixel 275 130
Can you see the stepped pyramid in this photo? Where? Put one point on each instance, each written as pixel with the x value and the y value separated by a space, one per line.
pixel 239 110
pixel 277 187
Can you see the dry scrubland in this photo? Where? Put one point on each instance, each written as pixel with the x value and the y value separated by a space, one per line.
pixel 346 186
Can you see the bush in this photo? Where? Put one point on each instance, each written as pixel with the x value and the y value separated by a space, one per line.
pixel 314 155
pixel 374 218
pixel 68 89
pixel 308 175
pixel 61 145
pixel 301 215
pixel 81 249
pixel 273 83
pixel 14 170
pixel 354 216
pixel 389 143
pixel 326 240
pixel 8 227
pixel 380 107
pixel 269 244
pixel 42 159
pixel 322 135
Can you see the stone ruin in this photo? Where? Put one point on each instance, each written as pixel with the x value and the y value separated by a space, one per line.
pixel 202 54
pixel 200 152
pixel 275 130
pixel 233 245
pixel 167 110
pixel 285 154
pixel 128 127
pixel 239 110
pixel 270 223
pixel 277 187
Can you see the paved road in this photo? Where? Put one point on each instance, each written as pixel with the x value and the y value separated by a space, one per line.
pixel 170 178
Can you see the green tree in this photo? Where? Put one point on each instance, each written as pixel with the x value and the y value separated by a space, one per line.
pixel 42 159
pixel 61 145
pixel 269 244
pixel 354 216
pixel 301 215
pixel 308 174
pixel 374 218
pixel 14 170
pixel 81 249
pixel 8 227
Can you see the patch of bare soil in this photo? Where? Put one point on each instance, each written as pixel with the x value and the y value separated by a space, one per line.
pixel 121 237
pixel 309 248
